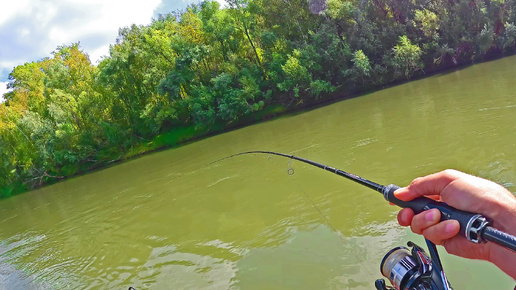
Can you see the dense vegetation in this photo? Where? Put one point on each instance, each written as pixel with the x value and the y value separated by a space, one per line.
pixel 208 68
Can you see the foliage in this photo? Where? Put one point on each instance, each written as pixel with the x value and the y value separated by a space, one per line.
pixel 340 9
pixel 428 22
pixel 407 57
pixel 208 68
pixel 361 68
pixel 509 37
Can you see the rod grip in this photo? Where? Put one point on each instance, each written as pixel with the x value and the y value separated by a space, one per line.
pixel 471 224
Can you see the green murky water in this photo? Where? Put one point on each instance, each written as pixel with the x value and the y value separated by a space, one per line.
pixel 166 221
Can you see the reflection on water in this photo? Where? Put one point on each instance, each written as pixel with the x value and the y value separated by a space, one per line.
pixel 168 221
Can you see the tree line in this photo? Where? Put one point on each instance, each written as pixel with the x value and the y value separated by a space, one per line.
pixel 208 68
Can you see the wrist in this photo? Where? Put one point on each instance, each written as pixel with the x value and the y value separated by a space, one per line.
pixel 505 218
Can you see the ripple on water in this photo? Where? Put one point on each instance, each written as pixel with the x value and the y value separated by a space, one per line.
pixel 365 142
pixel 496 108
pixel 222 179
pixel 187 269
pixel 11 278
pixel 20 245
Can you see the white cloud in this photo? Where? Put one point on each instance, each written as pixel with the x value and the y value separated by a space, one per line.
pixel 12 9
pixel 34 28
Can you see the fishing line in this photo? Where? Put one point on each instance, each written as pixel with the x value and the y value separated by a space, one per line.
pixel 290 172
pixel 291 175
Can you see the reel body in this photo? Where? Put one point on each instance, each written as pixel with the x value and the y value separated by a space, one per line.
pixel 412 269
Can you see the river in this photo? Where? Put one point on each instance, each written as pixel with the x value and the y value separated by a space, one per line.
pixel 169 221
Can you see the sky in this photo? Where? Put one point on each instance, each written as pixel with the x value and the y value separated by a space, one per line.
pixel 31 29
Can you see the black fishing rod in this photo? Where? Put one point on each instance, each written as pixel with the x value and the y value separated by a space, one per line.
pixel 475 227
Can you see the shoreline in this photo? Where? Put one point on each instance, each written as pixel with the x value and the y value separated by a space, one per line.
pixel 270 113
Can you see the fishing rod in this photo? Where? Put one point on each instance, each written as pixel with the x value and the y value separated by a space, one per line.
pixel 396 264
pixel 474 227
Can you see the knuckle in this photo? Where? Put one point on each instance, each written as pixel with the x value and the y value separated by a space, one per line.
pixel 416 181
pixel 451 173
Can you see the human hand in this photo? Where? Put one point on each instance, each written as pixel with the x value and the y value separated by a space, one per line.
pixel 468 193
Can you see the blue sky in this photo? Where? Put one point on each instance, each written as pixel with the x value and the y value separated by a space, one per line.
pixel 31 29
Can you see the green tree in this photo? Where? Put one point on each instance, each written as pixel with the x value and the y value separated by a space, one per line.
pixel 485 39
pixel 428 22
pixel 509 37
pixel 137 63
pixel 361 66
pixel 407 57
pixel 340 9
pixel 297 76
pixel 245 20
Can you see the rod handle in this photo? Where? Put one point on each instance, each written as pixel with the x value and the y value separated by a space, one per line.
pixel 471 224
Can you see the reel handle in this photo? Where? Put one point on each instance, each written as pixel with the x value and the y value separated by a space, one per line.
pixel 471 224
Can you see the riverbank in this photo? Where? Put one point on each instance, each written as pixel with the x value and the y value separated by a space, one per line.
pixel 182 136
pixel 187 135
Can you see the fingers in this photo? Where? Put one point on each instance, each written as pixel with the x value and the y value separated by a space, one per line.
pixel 441 232
pixel 432 184
pixel 424 220
pixel 428 224
pixel 405 217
